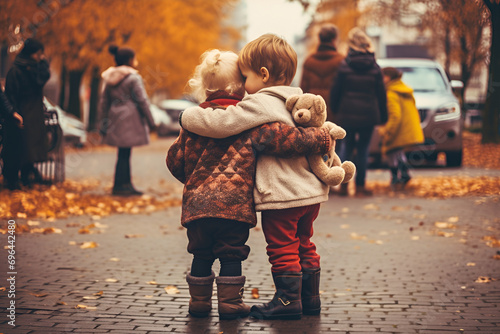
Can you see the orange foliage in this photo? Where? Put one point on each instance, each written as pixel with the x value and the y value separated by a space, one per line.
pixel 168 36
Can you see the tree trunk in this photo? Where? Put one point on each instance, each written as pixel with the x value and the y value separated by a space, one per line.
pixel 94 98
pixel 75 80
pixel 491 124
pixel 62 89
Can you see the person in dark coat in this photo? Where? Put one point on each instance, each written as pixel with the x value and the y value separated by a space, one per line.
pixel 321 67
pixel 7 110
pixel 125 114
pixel 358 101
pixel 24 88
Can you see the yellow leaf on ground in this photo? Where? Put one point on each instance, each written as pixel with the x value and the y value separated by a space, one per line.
pixel 111 280
pixel 171 290
pixel 484 279
pixel 255 293
pixel 89 244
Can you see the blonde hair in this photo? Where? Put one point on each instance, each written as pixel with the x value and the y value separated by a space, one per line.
pixel 218 70
pixel 273 53
pixel 359 41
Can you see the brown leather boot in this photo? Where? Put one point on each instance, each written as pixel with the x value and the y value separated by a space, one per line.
pixel 230 296
pixel 200 289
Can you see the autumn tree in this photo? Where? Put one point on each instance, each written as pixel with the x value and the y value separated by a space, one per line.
pixel 344 14
pixel 491 112
pixel 168 37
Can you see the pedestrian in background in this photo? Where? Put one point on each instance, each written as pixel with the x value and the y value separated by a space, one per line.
pixel 358 102
pixel 219 175
pixel 23 147
pixel 125 115
pixel 403 127
pixel 321 67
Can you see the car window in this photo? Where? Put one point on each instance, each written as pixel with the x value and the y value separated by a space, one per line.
pixel 423 79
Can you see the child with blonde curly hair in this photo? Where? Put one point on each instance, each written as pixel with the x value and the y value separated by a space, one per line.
pixel 218 175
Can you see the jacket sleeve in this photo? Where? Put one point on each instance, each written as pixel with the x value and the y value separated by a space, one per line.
pixel 394 112
pixel 381 97
pixel 336 92
pixel 223 123
pixel 288 141
pixel 6 109
pixel 304 82
pixel 176 157
pixel 141 100
pixel 12 88
pixel 104 105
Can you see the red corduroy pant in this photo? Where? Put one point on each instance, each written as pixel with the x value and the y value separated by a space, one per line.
pixel 288 234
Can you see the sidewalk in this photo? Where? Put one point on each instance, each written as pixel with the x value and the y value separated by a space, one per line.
pixel 386 267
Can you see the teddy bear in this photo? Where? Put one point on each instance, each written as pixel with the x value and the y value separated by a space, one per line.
pixel 310 110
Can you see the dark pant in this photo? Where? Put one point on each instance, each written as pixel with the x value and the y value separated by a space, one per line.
pixel 288 234
pixel 358 139
pixel 215 238
pixel 122 169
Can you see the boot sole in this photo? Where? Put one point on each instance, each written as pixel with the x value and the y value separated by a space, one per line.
pixel 311 312
pixel 232 316
pixel 296 316
pixel 199 315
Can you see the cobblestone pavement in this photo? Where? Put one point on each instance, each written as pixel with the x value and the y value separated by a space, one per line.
pixel 386 267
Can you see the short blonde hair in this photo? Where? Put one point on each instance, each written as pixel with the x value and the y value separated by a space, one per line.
pixel 218 70
pixel 358 40
pixel 272 52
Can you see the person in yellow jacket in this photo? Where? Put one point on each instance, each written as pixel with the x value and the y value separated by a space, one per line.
pixel 402 128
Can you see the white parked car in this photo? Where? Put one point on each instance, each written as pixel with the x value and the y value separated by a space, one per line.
pixel 172 108
pixel 439 109
pixel 72 128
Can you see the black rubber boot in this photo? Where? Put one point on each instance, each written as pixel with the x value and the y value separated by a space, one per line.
pixel 311 302
pixel 394 178
pixel 405 173
pixel 286 303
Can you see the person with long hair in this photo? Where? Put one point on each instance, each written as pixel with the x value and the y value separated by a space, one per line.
pixel 125 115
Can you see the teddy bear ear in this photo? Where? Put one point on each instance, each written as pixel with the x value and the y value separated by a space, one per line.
pixel 290 102
pixel 319 103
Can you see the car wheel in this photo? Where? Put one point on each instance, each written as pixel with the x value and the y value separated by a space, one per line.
pixel 454 158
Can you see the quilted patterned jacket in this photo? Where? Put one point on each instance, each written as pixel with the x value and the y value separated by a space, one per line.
pixel 218 174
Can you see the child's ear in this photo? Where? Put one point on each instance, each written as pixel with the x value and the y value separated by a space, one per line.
pixel 264 73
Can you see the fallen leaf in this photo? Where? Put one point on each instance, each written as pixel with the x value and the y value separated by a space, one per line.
pixel 255 293
pixel 85 307
pixel 496 257
pixel 445 225
pixel 2 288
pixel 344 226
pixel 39 295
pixel 33 223
pixel 130 236
pixel 491 241
pixel 152 283
pixel 371 207
pixel 98 293
pixel 89 244
pixel 415 237
pixel 171 290
pixel 453 220
pixel 445 234
pixel 471 264
pixel 111 280
pixel 72 243
pixel 148 296
pixel 61 303
pixel 484 279
pixel 90 297
pixel 114 259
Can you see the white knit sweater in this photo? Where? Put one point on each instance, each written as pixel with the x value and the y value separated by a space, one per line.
pixel 279 183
